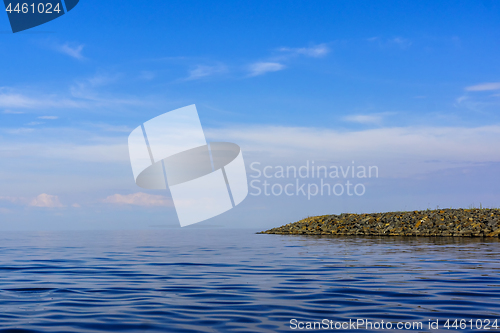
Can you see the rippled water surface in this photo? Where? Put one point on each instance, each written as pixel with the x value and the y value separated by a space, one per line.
pixel 192 280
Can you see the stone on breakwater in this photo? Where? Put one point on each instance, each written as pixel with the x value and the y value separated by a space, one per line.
pixel 439 222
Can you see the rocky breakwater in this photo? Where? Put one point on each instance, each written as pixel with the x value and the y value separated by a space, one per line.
pixel 440 222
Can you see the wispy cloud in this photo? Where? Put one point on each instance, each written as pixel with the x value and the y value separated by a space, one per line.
pixel 101 79
pixel 74 51
pixel 481 98
pixel 388 42
pixel 88 90
pixel 46 201
pixel 201 71
pixel 364 119
pixel 261 68
pixel 374 118
pixel 48 117
pixel 402 42
pixel 139 199
pixel 316 51
pixel 399 151
pixel 83 93
pixel 280 59
pixel 19 131
pixel 93 149
pixel 488 86
pixel 17 100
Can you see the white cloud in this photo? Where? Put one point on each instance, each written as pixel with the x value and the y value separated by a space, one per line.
pixel 364 119
pixel 19 131
pixel 403 42
pixel 374 118
pixel 399 151
pixel 139 199
pixel 16 100
pixel 261 68
pixel 484 87
pixel 277 63
pixel 86 89
pixel 101 79
pixel 98 153
pixel 316 51
pixel 72 51
pixel 79 145
pixel 34 123
pixel 82 94
pixel 202 71
pixel 12 112
pixel 48 117
pixel 47 201
pixel 388 42
pixel 272 63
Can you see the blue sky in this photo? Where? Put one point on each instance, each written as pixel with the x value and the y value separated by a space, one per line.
pixel 412 87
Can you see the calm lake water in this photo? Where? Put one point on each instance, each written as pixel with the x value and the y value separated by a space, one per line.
pixel 220 280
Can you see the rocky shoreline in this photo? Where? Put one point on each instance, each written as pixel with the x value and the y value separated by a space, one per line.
pixel 440 222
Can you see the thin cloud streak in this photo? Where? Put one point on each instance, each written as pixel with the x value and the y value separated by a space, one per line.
pixel 17 100
pixel 86 90
pixel 364 119
pixel 261 68
pixel 267 65
pixel 139 199
pixel 401 42
pixel 316 51
pixel 373 119
pixel 82 94
pixel 402 151
pixel 387 145
pixel 202 71
pixel 72 51
pixel 488 86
